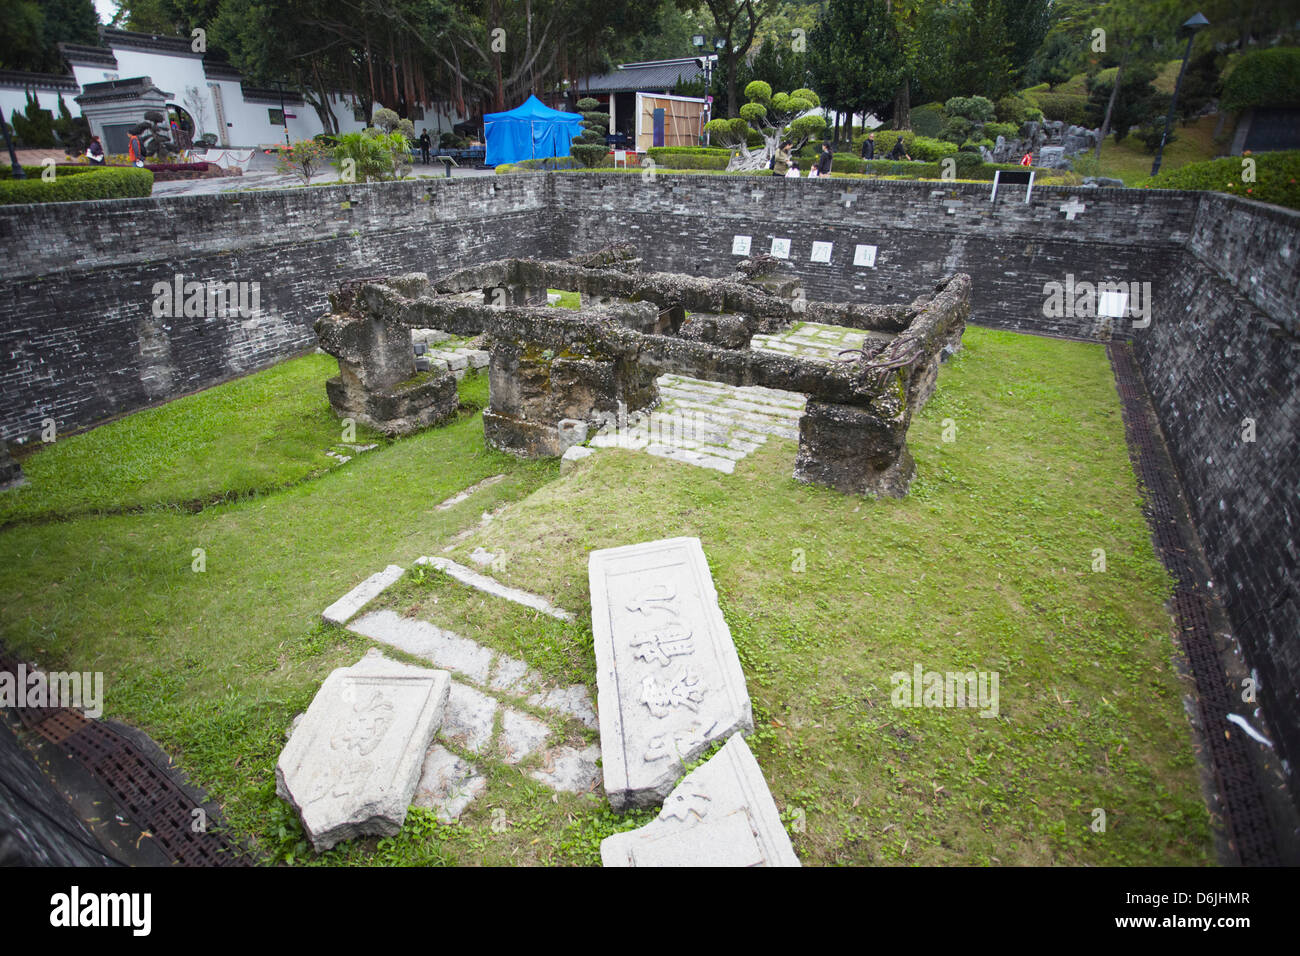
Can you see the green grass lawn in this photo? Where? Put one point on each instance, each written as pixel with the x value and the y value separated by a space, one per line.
pixel 985 566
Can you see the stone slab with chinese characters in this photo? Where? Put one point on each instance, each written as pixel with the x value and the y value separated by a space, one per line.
pixel 669 682
pixel 721 814
pixel 353 762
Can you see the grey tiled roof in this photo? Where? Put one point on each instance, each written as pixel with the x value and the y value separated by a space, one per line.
pixel 650 77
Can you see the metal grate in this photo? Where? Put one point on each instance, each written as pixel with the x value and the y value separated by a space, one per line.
pixel 1245 813
pixel 149 795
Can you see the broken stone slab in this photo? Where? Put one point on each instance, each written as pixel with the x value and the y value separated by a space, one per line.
pixel 521 734
pixel 351 766
pixel 448 784
pixel 569 769
pixel 422 639
pixel 494 587
pixel 669 682
pixel 513 676
pixel 346 607
pixel 721 814
pixel 469 719
pixel 572 701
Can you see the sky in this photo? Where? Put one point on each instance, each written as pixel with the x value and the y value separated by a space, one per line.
pixel 106 9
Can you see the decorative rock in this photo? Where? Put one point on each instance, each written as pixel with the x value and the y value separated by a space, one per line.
pixel 521 734
pixel 456 361
pixel 669 681
pixel 721 814
pixel 421 639
pixel 478 358
pixel 482 557
pixel 570 770
pixel 447 784
pixel 351 767
pixel 572 432
pixel 342 610
pixel 469 718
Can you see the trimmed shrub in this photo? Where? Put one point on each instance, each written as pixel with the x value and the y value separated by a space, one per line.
pixel 918 147
pixel 1268 78
pixel 655 152
pixel 956 129
pixel 1277 178
pixel 1069 108
pixel 75 184
pixel 714 159
pixel 994 130
pixel 978 109
pixel 847 163
pixel 1016 108
pixel 885 167
pixel 967 163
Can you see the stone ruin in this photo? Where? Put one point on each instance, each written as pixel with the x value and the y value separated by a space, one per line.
pixel 555 374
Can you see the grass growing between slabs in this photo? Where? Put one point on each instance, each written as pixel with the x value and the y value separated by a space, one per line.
pixel 985 566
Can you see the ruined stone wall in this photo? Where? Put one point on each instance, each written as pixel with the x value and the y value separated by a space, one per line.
pixel 79 341
pixel 921 233
pixel 1212 359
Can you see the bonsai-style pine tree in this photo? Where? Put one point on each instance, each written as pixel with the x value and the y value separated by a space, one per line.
pixel 775 117
pixel 589 147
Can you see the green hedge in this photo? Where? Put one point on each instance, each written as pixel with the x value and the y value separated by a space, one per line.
pixel 1276 178
pixel 713 159
pixel 1069 108
pixel 1269 78
pixel 74 184
pixel 927 120
pixel 921 148
pixel 657 152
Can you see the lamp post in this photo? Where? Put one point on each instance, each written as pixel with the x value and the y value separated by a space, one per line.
pixel 1190 26
pixel 706 62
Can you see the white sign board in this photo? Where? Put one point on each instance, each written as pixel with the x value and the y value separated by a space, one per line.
pixel 865 256
pixel 821 251
pixel 1112 304
pixel 740 245
pixel 781 248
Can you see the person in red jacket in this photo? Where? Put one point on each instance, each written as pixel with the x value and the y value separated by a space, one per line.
pixel 134 151
pixel 1027 159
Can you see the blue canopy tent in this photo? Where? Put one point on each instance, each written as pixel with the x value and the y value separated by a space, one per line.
pixel 531 130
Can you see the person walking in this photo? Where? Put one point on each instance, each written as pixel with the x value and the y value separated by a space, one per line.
pixel 869 146
pixel 425 144
pixel 135 151
pixel 824 161
pixel 781 160
pixel 95 152
pixel 1027 159
pixel 898 152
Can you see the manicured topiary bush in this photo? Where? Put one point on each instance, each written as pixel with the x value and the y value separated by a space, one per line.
pixel 1276 176
pixel 589 146
pixel 1069 108
pixel 927 120
pixel 73 184
pixel 918 147
pixel 714 159
pixel 1268 78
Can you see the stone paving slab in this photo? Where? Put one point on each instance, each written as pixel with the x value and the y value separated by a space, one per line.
pixel 570 770
pixel 573 700
pixel 469 719
pixel 346 607
pixel 352 764
pixel 721 814
pixel 494 587
pixel 669 680
pixel 521 734
pixel 422 639
pixel 448 784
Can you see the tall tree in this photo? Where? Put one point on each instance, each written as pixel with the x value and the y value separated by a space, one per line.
pixel 737 22
pixel 856 57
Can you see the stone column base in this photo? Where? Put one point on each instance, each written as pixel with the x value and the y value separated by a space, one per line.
pixel 854 450
pixel 430 398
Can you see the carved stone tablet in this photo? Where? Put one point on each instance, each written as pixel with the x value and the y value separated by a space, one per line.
pixel 721 814
pixel 669 682
pixel 352 764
